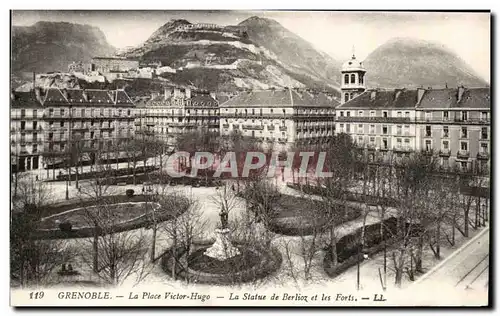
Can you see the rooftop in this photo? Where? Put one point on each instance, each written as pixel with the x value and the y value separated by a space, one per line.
pixel 286 97
pixel 422 98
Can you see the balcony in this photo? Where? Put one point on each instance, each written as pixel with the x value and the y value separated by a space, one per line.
pixel 483 155
pixel 283 128
pixel 402 149
pixel 376 119
pixel 253 127
pixel 463 154
pixel 444 153
pixel 225 125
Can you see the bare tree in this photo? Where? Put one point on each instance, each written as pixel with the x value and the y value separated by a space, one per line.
pixel 33 261
pixel 183 230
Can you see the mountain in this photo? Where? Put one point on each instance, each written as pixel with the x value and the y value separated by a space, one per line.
pixel 292 50
pixel 237 57
pixel 407 62
pixel 51 46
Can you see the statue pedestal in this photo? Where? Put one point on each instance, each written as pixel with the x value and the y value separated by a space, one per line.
pixel 222 248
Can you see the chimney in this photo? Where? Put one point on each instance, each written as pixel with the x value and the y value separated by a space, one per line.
pixel 188 93
pixel 85 95
pixel 167 93
pixel 38 93
pixel 373 95
pixel 420 94
pixel 461 90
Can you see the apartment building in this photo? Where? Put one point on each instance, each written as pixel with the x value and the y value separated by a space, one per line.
pixel 451 124
pixel 281 117
pixel 455 124
pixel 380 121
pixel 46 123
pixel 178 111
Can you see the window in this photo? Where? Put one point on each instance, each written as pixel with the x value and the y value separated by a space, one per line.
pixel 63 145
pixel 463 146
pixel 464 132
pixel 360 113
pixel 484 116
pixel 51 136
pixel 23 113
pixel 35 137
pixel 464 115
pixel 61 124
pixel 346 97
pixel 253 111
pixel 428 132
pixel 446 144
pixel 35 125
pixel 23 125
pixel 360 128
pixel 348 113
pixel 445 115
pixel 428 145
pixel 260 112
pixel 92 135
pixel 407 114
pixel 353 78
pixel 341 113
pixel 341 127
pixel 271 111
pixel 346 79
pixel 399 130
pixel 360 139
pixel 445 131
pixel 372 140
pixel 372 113
pixel 384 114
pixel 398 142
pixel 83 112
pixel 384 130
pixel 484 148
pixel 407 129
pixel 427 115
pixel 348 128
pixel 372 129
pixel 484 133
pixel 51 112
pixel 398 114
pixel 34 113
pixel 62 112
pixel 35 149
pixel 384 143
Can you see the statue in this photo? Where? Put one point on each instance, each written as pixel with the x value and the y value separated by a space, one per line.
pixel 223 218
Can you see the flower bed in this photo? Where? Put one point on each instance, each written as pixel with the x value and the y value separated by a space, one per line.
pixel 252 265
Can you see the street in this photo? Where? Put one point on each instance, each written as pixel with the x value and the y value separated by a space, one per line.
pixel 467 269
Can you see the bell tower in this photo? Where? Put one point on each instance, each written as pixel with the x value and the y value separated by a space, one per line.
pixel 352 80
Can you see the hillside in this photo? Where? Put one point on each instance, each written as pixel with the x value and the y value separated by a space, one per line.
pixel 227 57
pixel 51 46
pixel 406 62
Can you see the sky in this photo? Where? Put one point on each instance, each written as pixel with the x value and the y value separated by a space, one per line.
pixel 335 33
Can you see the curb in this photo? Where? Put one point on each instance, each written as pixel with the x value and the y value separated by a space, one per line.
pixel 454 254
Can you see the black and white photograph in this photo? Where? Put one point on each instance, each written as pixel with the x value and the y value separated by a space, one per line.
pixel 250 158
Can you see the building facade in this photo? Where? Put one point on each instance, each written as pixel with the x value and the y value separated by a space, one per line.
pixel 280 117
pixel 451 124
pixel 47 123
pixel 106 65
pixel 178 111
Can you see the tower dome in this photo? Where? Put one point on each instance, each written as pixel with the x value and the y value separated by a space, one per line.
pixel 353 65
